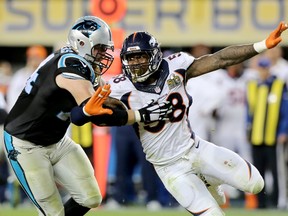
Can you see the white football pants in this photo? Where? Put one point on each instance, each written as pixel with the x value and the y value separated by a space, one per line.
pixel 213 162
pixel 38 167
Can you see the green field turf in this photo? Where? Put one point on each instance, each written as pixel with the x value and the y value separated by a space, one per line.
pixel 6 211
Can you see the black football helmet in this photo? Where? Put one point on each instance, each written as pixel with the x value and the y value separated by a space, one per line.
pixel 87 33
pixel 141 42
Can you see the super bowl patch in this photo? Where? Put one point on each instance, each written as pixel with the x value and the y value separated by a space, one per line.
pixel 174 81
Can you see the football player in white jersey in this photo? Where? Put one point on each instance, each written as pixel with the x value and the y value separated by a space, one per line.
pixel 179 156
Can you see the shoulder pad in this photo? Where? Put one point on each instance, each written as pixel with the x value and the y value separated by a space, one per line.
pixel 80 66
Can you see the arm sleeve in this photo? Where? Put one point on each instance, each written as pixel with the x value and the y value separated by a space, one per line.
pixel 78 117
pixel 118 118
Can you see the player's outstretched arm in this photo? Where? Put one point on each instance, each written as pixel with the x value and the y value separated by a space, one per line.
pixel 234 54
pixel 150 113
pixel 117 115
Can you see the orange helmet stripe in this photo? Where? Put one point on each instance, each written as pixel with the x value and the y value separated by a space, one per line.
pixel 134 36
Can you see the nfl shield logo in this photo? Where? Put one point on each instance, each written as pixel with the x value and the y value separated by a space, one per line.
pixel 157 89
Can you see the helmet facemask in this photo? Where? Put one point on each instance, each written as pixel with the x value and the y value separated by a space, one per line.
pixel 137 64
pixel 102 60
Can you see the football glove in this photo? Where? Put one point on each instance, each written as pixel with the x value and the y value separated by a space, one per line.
pixel 94 105
pixel 275 36
pixel 273 39
pixel 154 111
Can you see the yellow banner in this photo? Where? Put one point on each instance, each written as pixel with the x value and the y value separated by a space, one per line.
pixel 173 22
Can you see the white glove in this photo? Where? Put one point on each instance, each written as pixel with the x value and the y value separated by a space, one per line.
pixel 154 112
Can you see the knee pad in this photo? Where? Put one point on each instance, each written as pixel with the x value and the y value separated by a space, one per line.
pixel 258 186
pixel 248 179
pixel 93 202
pixel 256 181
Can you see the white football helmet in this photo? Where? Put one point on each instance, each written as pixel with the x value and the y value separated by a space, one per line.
pixel 88 32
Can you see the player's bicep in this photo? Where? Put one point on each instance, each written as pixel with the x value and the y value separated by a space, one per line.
pixel 202 66
pixel 80 89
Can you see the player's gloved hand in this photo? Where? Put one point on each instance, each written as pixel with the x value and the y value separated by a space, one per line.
pixel 154 111
pixel 94 105
pixel 273 39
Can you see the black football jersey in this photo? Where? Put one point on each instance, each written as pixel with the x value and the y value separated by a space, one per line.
pixel 41 113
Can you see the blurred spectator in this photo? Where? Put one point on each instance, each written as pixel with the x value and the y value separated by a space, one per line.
pixel 200 50
pixel 205 100
pixel 279 68
pixel 34 55
pixel 6 73
pixel 279 65
pixel 3 164
pixel 231 112
pixel 5 76
pixel 230 128
pixel 267 118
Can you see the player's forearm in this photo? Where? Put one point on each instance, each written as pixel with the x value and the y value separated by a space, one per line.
pixel 225 57
pixel 233 55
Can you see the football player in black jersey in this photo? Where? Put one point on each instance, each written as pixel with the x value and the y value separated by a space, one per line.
pixel 60 91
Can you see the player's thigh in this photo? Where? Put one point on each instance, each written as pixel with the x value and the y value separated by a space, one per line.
pixel 75 172
pixel 34 172
pixel 229 167
pixel 187 188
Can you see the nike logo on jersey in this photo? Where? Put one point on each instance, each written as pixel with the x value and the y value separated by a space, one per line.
pixel 197 145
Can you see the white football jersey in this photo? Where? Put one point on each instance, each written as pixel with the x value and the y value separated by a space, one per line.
pixel 159 140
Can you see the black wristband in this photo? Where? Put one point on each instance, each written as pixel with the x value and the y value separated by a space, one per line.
pixel 118 118
pixel 78 117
